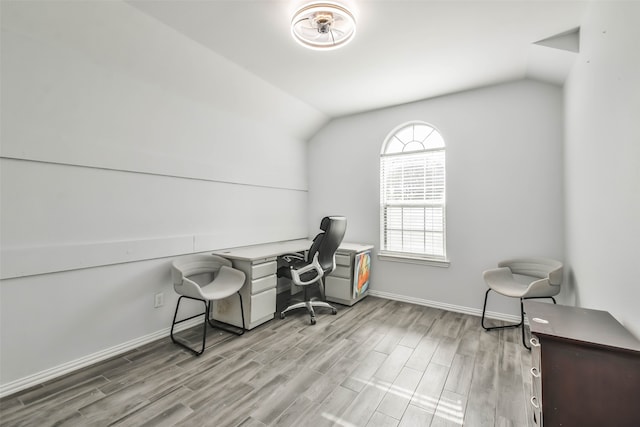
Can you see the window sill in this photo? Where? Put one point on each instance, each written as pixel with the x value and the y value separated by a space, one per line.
pixel 413 259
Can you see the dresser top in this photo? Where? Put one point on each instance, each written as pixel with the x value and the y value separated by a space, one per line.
pixel 579 324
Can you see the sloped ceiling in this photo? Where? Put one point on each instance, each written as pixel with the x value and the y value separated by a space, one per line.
pixel 403 50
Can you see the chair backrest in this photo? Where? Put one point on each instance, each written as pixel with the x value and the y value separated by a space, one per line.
pixel 326 243
pixel 536 267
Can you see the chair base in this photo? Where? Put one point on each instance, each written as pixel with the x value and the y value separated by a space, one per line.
pixel 514 325
pixel 309 305
pixel 217 325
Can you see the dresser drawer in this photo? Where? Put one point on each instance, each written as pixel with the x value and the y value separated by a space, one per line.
pixel 536 383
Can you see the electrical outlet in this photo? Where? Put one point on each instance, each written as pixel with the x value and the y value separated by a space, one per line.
pixel 159 300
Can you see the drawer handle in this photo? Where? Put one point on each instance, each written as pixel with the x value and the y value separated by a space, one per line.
pixel 534 342
pixel 535 373
pixel 534 402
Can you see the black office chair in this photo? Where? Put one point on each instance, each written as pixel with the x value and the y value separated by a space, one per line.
pixel 313 268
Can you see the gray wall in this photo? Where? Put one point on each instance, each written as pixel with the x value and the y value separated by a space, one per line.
pixel 504 187
pixel 602 97
pixel 125 144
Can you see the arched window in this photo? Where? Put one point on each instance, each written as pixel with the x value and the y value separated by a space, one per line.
pixel 412 193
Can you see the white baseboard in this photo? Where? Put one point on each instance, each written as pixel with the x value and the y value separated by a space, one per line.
pixel 66 368
pixel 445 306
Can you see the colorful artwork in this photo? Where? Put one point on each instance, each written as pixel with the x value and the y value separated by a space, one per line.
pixel 362 272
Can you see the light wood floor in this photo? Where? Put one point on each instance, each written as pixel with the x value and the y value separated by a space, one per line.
pixel 378 363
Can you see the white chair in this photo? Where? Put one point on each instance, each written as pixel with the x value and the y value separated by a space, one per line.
pixel 226 282
pixel 543 278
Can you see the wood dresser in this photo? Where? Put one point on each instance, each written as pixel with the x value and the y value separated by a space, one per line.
pixel 586 368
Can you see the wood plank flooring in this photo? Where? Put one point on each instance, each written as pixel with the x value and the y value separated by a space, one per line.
pixel 379 363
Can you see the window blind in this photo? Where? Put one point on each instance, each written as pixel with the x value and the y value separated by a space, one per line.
pixel 413 202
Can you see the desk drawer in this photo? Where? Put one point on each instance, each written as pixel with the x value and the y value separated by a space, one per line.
pixel 264 283
pixel 342 271
pixel 336 287
pixel 263 269
pixel 343 260
pixel 263 304
pixel 258 308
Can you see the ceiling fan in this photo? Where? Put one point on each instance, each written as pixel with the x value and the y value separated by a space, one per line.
pixel 323 26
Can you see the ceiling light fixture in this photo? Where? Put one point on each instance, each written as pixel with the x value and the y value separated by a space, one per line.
pixel 323 26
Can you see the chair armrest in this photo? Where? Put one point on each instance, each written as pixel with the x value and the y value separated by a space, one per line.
pixel 498 276
pixel 315 265
pixel 188 288
pixel 292 256
pixel 542 288
pixel 501 280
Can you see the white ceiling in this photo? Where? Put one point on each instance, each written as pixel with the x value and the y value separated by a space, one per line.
pixel 403 50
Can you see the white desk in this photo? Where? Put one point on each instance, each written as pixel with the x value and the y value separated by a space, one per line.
pixel 264 251
pixel 259 264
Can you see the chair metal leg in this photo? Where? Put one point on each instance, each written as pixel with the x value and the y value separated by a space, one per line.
pixel 524 342
pixel 232 329
pixel 218 325
pixel 484 308
pixel 515 325
pixel 244 327
pixel 204 326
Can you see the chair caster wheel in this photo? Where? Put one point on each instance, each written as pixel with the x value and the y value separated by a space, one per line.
pixel 313 320
pixel 334 311
pixel 282 315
